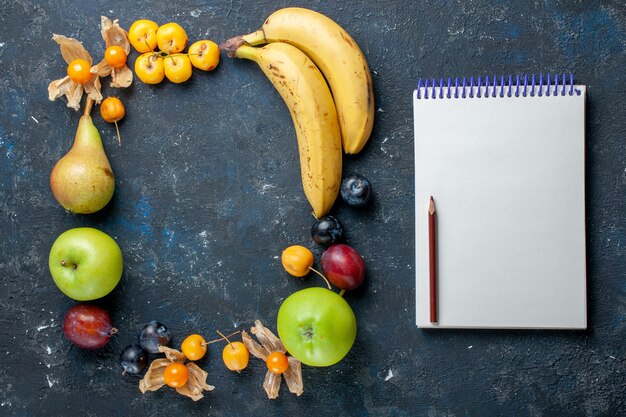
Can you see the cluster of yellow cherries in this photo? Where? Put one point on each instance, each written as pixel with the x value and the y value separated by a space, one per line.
pixel 152 66
pixel 169 61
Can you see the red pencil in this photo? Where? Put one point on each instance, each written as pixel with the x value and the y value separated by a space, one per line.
pixel 432 249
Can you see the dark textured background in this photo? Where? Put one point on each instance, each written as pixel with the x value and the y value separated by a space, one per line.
pixel 208 195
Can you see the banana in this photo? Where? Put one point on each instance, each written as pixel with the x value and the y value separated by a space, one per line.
pixel 306 94
pixel 338 57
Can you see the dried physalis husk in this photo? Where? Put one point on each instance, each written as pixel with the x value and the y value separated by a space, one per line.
pixel 114 35
pixel 172 354
pixel 270 343
pixel 72 49
pixel 153 379
pixel 196 383
pixel 195 386
pixel 293 376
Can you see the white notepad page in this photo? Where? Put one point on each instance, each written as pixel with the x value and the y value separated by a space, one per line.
pixel 507 176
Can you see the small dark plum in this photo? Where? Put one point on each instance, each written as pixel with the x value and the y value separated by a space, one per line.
pixel 327 230
pixel 153 335
pixel 133 359
pixel 356 190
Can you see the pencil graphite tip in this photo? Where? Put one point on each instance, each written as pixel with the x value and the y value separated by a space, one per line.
pixel 431 205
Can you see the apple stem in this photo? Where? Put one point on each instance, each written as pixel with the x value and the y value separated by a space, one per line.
pixel 321 275
pixel 342 292
pixel 113 331
pixel 222 338
pixel 63 263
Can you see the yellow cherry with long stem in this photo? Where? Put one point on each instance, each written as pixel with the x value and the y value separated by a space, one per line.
pixel 298 261
pixel 112 111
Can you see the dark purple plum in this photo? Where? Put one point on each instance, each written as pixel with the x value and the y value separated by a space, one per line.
pixel 133 359
pixel 153 335
pixel 327 230
pixel 356 190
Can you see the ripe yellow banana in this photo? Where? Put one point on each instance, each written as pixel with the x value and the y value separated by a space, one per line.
pixel 338 57
pixel 306 94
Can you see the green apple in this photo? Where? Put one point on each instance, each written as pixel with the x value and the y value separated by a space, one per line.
pixel 85 263
pixel 316 326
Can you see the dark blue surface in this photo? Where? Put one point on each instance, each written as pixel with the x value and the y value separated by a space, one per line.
pixel 208 195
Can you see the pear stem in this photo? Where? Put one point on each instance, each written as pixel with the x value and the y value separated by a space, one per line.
pixel 342 292
pixel 321 275
pixel 88 106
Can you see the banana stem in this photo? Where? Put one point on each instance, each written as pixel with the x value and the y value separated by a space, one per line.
pixel 232 45
pixel 247 52
pixel 255 38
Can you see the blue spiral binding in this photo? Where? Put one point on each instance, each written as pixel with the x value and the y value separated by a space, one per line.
pixel 485 87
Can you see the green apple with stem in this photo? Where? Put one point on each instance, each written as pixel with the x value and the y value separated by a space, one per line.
pixel 85 263
pixel 316 326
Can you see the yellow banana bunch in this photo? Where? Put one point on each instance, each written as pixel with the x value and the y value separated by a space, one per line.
pixel 302 87
pixel 299 43
pixel 338 57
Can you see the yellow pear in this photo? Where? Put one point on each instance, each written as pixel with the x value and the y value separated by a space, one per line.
pixel 82 181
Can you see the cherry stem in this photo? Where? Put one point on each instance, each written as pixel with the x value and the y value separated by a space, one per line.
pixel 165 54
pixel 321 275
pixel 119 139
pixel 342 292
pixel 229 344
pixel 88 106
pixel 222 338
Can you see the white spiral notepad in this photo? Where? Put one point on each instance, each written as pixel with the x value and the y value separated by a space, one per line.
pixel 504 159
